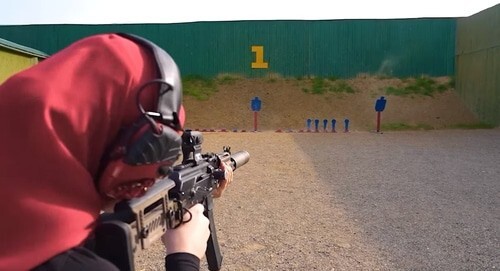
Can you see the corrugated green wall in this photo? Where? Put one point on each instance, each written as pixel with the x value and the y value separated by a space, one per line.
pixel 478 63
pixel 342 48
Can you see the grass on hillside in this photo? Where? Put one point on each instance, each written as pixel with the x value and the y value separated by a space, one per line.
pixel 202 87
pixel 423 85
pixel 198 87
pixel 321 85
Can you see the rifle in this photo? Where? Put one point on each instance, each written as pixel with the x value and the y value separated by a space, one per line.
pixel 136 224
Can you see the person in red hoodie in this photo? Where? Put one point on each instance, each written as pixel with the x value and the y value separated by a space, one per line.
pixel 58 121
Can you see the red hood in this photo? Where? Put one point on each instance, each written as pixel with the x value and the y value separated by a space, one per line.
pixel 56 120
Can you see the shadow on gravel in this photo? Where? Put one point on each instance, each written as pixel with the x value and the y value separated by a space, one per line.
pixel 425 200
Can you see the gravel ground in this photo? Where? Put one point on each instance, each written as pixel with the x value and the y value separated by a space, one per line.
pixel 359 201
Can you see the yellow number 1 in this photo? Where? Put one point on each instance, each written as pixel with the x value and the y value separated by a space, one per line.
pixel 259 58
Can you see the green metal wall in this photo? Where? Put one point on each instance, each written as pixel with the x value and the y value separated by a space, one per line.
pixel 478 63
pixel 341 48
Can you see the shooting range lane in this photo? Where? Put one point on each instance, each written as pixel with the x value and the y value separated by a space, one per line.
pixel 280 217
pixel 423 200
pixel 358 201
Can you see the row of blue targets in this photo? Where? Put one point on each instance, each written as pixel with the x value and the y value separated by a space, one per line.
pixel 333 122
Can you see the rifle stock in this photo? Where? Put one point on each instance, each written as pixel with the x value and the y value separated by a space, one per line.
pixel 136 224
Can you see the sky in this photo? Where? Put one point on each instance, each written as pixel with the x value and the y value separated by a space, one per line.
pixel 21 12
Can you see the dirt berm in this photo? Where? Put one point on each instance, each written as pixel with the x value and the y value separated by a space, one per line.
pixel 288 103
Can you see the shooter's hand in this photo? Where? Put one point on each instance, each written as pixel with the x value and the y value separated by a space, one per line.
pixel 190 237
pixel 223 184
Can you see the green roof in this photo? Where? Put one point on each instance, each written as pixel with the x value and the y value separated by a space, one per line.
pixel 22 49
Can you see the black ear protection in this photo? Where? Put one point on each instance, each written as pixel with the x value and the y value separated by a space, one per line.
pixel 152 141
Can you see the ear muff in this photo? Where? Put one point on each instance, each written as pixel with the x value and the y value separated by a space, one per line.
pixel 170 90
pixel 150 143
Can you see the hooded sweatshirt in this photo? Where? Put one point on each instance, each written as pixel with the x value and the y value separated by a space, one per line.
pixel 56 120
